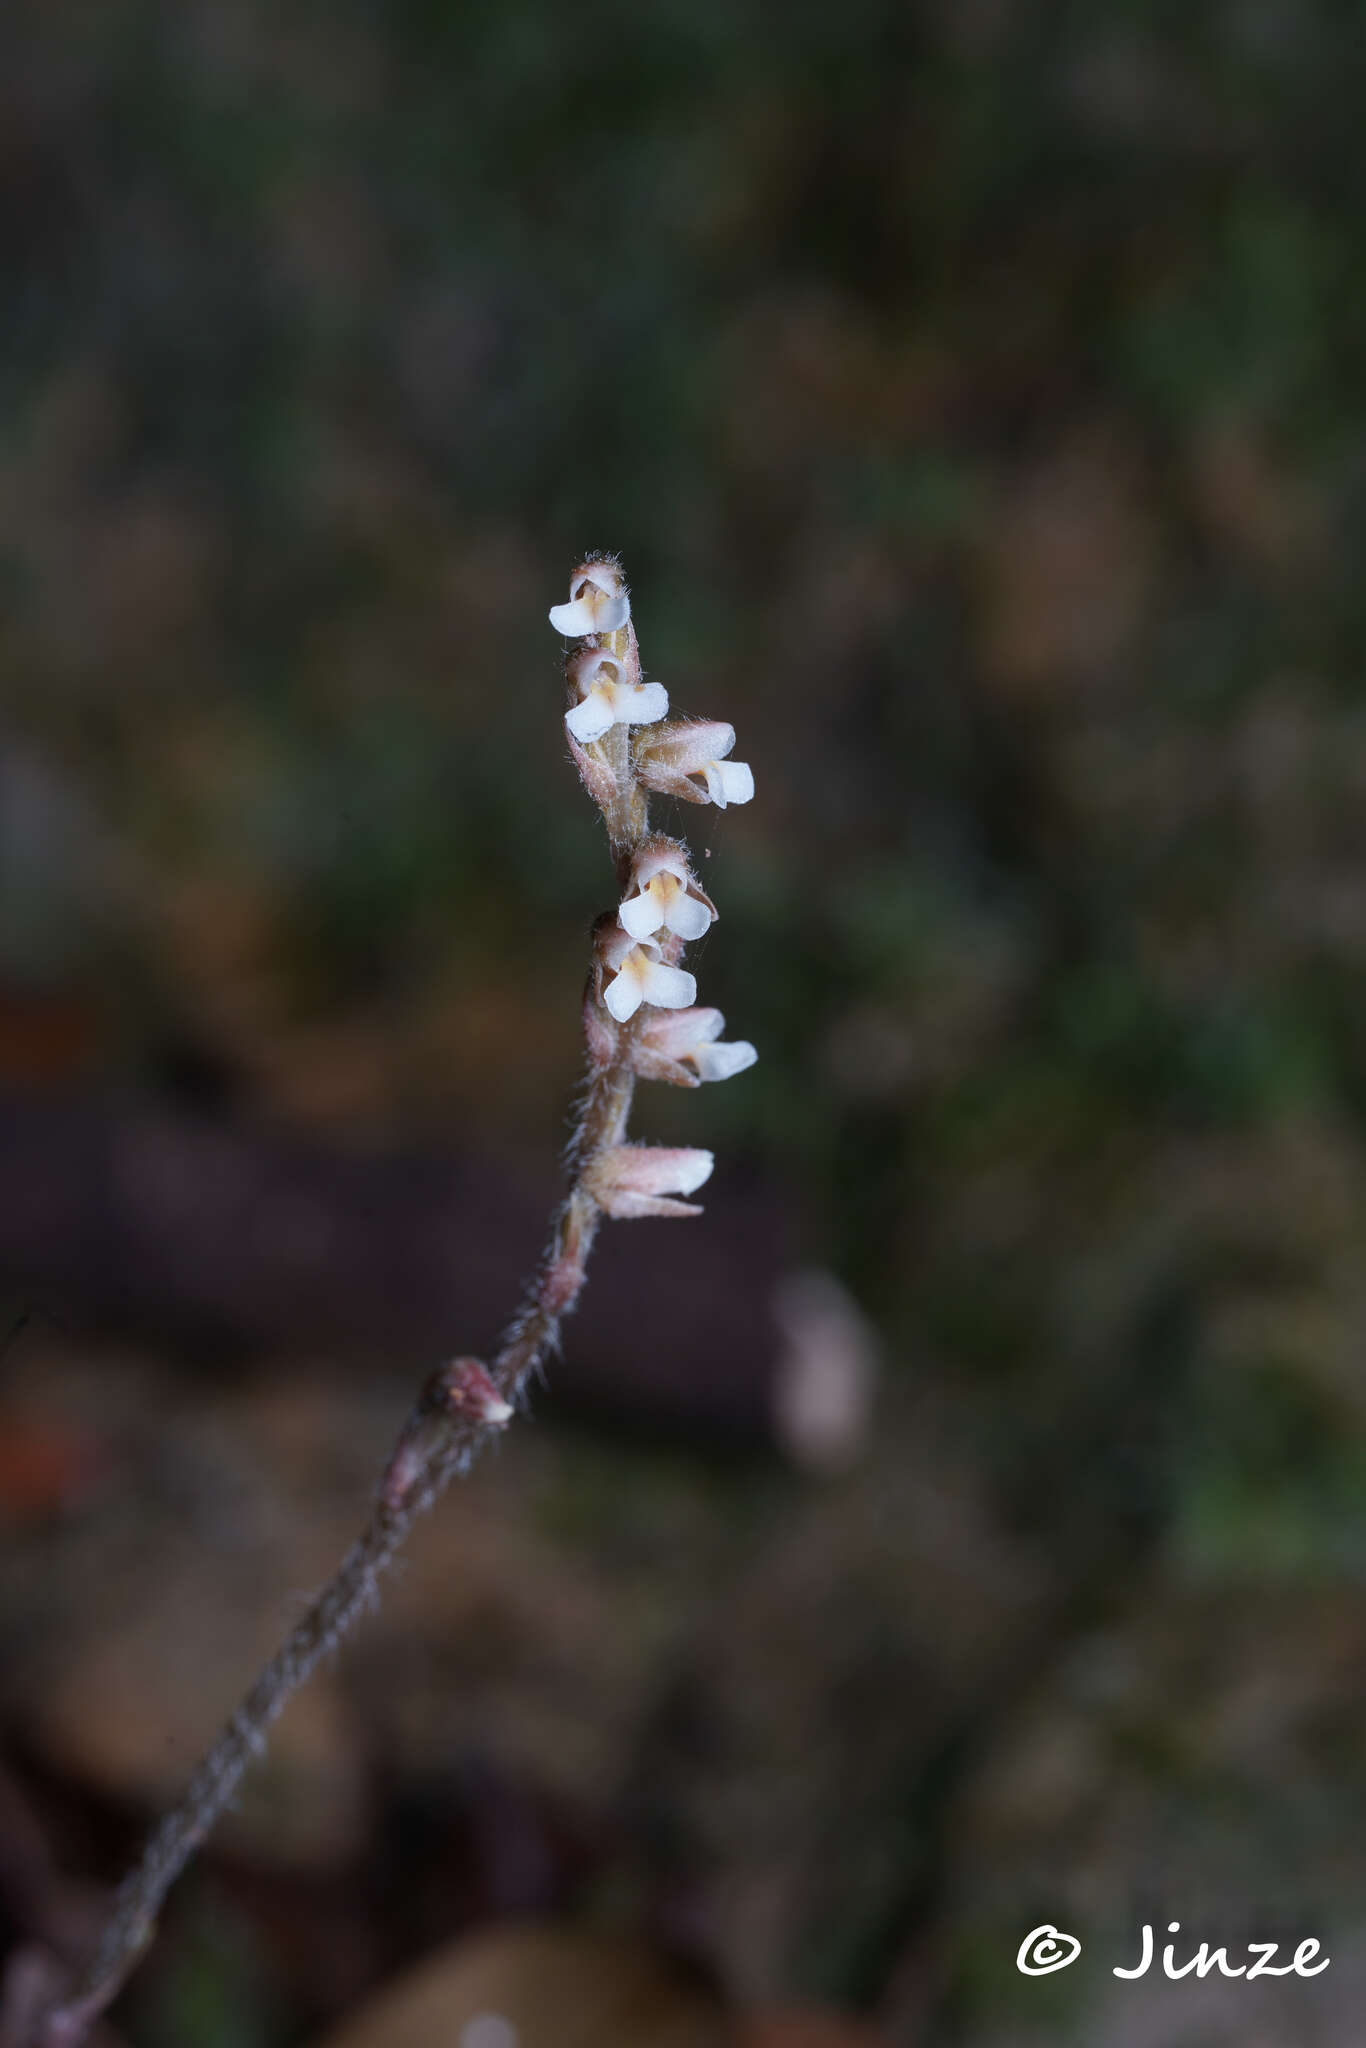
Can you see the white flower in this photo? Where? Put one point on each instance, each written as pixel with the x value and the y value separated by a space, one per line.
pixel 694 1036
pixel 607 699
pixel 665 895
pixel 641 1180
pixel 640 975
pixel 669 761
pixel 597 602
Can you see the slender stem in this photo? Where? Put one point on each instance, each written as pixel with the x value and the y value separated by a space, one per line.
pixel 444 1431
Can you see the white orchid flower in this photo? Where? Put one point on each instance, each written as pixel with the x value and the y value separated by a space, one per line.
pixel 597 602
pixel 607 699
pixel 641 975
pixel 671 760
pixel 664 895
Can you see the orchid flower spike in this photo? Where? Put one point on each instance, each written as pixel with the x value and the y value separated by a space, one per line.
pixel 597 602
pixel 664 895
pixel 640 1020
pixel 670 1044
pixel 640 975
pixel 607 699
pixel 642 1180
pixel 670 759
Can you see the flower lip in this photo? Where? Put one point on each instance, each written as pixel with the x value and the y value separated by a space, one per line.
pixel 641 975
pixel 665 896
pixel 606 702
pixel 695 1036
pixel 597 602
pixel 729 782
pixel 589 720
pixel 720 1061
pixel 670 759
pixel 656 909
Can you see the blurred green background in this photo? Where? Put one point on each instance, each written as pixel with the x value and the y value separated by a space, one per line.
pixel 974 394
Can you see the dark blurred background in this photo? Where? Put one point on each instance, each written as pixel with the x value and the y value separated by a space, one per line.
pixel 974 393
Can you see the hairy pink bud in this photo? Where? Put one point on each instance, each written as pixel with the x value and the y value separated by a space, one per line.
pixel 462 1389
pixel 642 1180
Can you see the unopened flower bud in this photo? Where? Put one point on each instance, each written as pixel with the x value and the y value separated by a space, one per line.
pixel 671 760
pixel 643 1180
pixel 462 1388
pixel 597 602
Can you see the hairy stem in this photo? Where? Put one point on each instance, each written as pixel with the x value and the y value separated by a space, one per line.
pixel 446 1427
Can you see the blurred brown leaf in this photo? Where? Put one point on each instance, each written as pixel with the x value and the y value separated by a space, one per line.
pixel 543 1987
